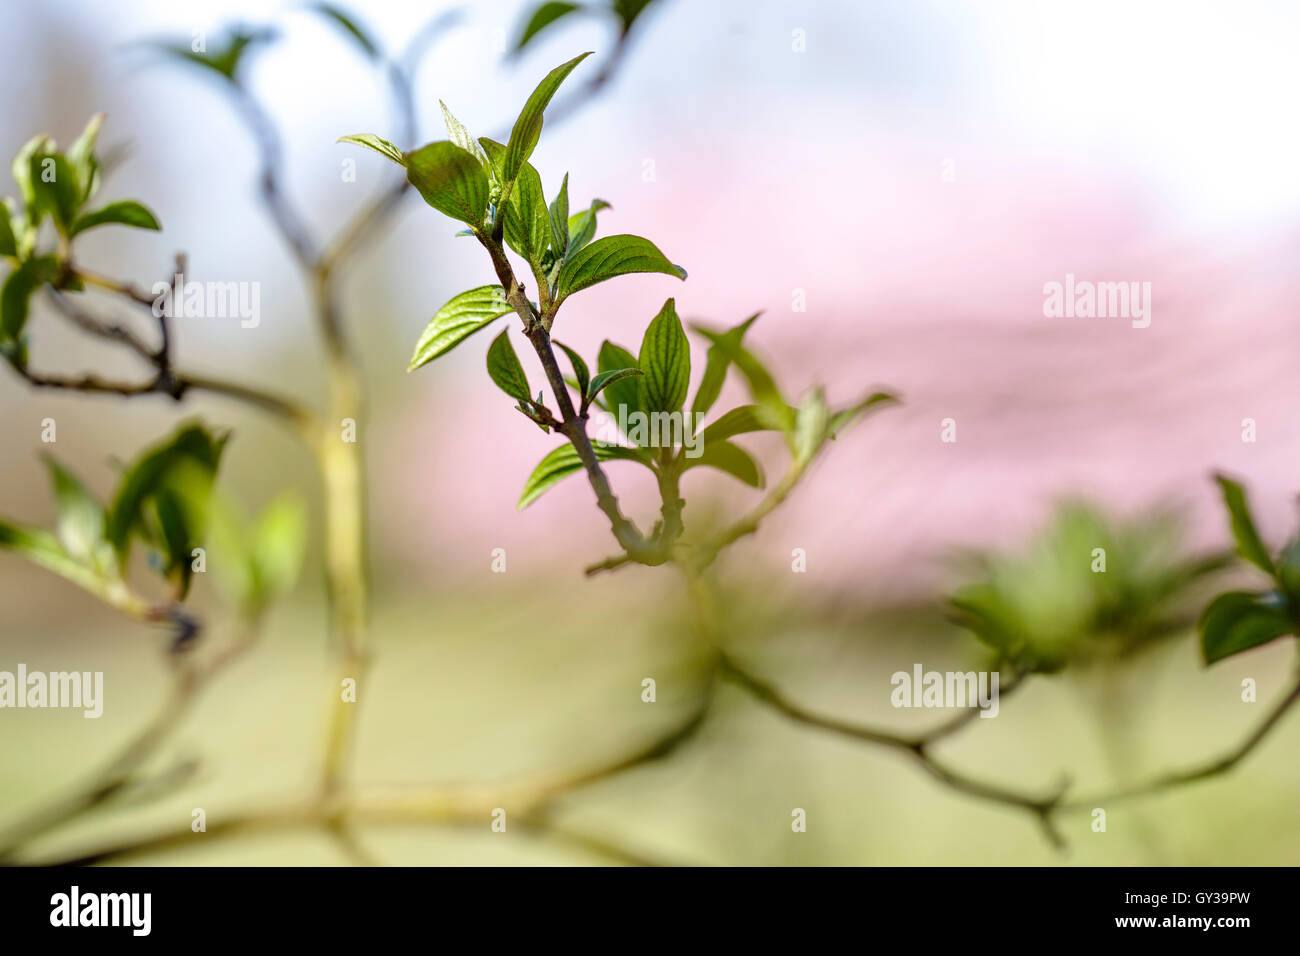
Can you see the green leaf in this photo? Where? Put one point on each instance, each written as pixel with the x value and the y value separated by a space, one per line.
pixel 463 138
pixel 666 361
pixel 716 364
pixel 811 427
pixel 1239 620
pixel 81 156
pixel 609 257
pixel 165 478
pixel 619 392
pixel 381 146
pixel 527 222
pixel 545 15
pixel 528 127
pixel 582 225
pixel 1249 545
pixel 450 180
pixel 503 365
pixel 564 461
pixel 560 220
pixel 580 371
pixel 628 11
pixel 732 459
pixel 277 543
pixel 349 26
pixel 456 321
pixel 17 291
pixel 42 548
pixel 55 186
pixel 127 212
pixel 225 58
pixel 738 421
pixel 609 377
pixel 761 384
pixel 22 171
pixel 8 241
pixel 80 523
pixel 1288 570
pixel 849 416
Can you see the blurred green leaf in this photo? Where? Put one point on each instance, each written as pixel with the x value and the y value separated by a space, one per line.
pixel 811 427
pixel 542 17
pixel 350 27
pixel 738 421
pixel 716 364
pixel 761 384
pixel 846 417
pixel 503 365
pixel 666 361
pixel 609 257
pixel 22 171
pixel 17 291
pixel 82 159
pixel 450 180
pixel 55 187
pixel 80 523
pixel 127 212
pixel 228 53
pixel 278 542
pixel 8 241
pixel 162 498
pixel 629 10
pixel 1249 545
pixel 730 458
pixel 1239 620
pixel 564 461
pixel 456 321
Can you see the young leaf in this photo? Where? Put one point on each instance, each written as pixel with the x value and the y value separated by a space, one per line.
pixel 761 384
pixel 560 220
pixel 812 425
pixel 628 10
pixel 580 371
pixel 127 212
pixel 349 26
pixel 22 171
pixel 619 392
pixel 381 146
pixel 545 15
pixel 564 461
pixel 503 365
pixel 1249 545
pixel 528 224
pixel 607 378
pixel 80 524
pixel 666 362
pixel 450 180
pixel 582 225
pixel 609 257
pixel 528 127
pixel 173 470
pixel 716 364
pixel 55 187
pixel 456 321
pixel 1239 620
pixel 738 421
pixel 81 156
pixel 848 416
pixel 732 459
pixel 42 548
pixel 17 291
pixel 463 138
